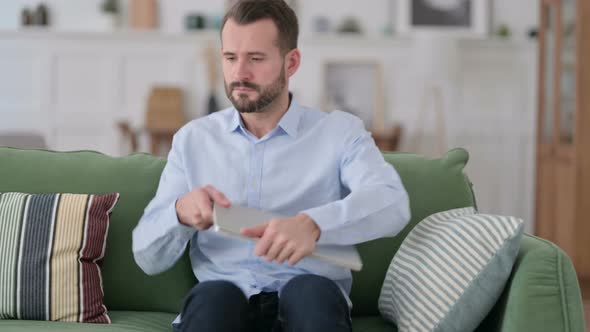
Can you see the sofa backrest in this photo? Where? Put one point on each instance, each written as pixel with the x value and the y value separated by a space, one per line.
pixel 433 185
pixel 136 178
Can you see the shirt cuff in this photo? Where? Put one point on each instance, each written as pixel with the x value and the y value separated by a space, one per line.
pixel 171 225
pixel 321 216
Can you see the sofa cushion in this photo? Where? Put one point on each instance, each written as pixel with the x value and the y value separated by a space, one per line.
pixel 122 321
pixel 450 270
pixel 372 324
pixel 136 178
pixel 128 321
pixel 51 246
pixel 433 185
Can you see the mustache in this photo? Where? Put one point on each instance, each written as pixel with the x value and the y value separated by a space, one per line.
pixel 244 84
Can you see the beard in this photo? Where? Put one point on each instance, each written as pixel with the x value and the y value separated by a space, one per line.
pixel 267 94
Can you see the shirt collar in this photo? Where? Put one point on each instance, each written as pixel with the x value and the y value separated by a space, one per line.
pixel 235 122
pixel 289 122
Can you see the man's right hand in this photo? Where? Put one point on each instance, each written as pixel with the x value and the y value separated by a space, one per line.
pixel 195 208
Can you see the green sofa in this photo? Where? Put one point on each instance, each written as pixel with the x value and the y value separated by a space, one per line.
pixel 542 294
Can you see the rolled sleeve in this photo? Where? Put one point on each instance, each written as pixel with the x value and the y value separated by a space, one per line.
pixel 377 204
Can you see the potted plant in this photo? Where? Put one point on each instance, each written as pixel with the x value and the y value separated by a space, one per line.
pixel 110 13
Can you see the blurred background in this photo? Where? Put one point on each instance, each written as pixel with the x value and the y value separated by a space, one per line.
pixel 498 78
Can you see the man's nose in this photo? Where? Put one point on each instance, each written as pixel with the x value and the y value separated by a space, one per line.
pixel 242 70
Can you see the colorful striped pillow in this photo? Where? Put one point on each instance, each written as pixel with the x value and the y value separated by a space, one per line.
pixel 51 246
pixel 449 271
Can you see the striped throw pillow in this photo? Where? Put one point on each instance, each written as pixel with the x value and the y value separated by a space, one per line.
pixel 50 248
pixel 450 270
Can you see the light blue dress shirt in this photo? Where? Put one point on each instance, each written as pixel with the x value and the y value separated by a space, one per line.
pixel 323 164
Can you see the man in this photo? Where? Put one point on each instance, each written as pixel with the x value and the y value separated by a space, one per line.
pixel 267 152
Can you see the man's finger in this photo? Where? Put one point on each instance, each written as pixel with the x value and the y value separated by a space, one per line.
pixel 263 245
pixel 205 207
pixel 196 219
pixel 296 257
pixel 222 200
pixel 275 249
pixel 217 196
pixel 254 232
pixel 285 253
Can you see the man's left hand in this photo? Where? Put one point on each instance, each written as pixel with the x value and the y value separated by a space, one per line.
pixel 283 239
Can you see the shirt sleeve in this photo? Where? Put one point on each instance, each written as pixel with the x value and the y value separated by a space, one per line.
pixel 159 239
pixel 377 204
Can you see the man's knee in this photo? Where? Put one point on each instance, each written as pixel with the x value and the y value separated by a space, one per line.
pixel 310 286
pixel 215 306
pixel 217 291
pixel 313 303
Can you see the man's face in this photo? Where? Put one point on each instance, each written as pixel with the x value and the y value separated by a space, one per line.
pixel 253 67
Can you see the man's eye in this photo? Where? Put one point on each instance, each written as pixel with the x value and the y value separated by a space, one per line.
pixel 230 58
pixel 256 59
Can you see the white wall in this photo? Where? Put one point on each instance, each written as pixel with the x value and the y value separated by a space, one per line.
pixel 494 103
pixel 74 87
pixel 80 14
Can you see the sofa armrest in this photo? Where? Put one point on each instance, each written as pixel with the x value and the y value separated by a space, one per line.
pixel 542 293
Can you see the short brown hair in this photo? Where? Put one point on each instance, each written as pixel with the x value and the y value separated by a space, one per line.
pixel 250 11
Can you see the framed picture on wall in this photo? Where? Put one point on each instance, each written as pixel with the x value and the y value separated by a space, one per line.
pixel 355 87
pixel 461 17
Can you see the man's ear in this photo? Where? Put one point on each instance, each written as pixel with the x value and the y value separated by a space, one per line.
pixel 293 60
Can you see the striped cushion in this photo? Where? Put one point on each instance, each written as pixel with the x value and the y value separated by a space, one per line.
pixel 50 248
pixel 450 270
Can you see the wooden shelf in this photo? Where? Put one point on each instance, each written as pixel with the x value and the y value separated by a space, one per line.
pixel 563 167
pixel 308 40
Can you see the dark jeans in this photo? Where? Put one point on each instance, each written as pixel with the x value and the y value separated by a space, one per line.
pixel 308 303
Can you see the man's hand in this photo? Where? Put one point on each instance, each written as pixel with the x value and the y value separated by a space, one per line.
pixel 196 207
pixel 284 239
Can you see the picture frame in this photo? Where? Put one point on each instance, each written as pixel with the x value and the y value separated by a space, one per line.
pixel 356 87
pixel 463 18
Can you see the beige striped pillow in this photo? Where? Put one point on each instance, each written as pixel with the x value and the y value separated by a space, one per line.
pixel 450 270
pixel 52 245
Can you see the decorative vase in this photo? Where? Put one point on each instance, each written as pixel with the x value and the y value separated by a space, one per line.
pixel 144 14
pixel 41 16
pixel 26 17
